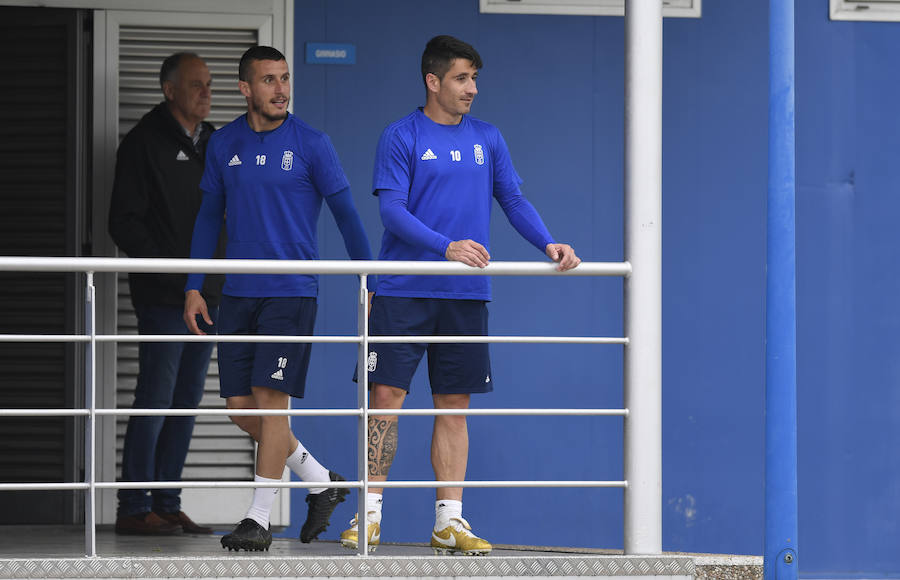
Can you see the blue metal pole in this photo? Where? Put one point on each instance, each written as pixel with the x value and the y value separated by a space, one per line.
pixel 781 317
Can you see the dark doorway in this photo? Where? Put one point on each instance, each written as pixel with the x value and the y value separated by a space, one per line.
pixel 43 175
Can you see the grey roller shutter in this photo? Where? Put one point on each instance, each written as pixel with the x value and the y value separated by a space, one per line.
pixel 219 450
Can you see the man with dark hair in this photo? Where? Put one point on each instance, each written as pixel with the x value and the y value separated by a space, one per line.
pixel 255 54
pixel 155 199
pixel 441 51
pixel 270 172
pixel 436 172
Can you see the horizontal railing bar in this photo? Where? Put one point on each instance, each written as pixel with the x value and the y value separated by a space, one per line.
pixel 232 412
pixel 535 412
pixel 299 484
pixel 173 338
pixel 414 484
pixel 44 412
pixel 44 338
pixel 42 486
pixel 182 265
pixel 309 412
pixel 310 339
pixel 222 338
pixel 180 412
pixel 502 339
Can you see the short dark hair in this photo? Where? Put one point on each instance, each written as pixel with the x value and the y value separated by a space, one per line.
pixel 442 50
pixel 255 53
pixel 170 65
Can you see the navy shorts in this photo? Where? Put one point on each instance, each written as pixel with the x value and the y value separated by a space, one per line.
pixel 453 368
pixel 279 366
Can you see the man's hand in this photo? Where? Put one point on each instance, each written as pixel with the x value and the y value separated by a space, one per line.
pixel 564 255
pixel 194 304
pixel 468 252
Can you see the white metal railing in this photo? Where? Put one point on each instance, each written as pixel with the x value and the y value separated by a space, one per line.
pixel 361 268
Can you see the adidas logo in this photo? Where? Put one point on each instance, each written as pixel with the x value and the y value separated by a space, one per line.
pixel 428 155
pixel 277 375
pixel 234 161
pixel 182 156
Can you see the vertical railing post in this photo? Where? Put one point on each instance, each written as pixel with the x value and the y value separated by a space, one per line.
pixel 362 375
pixel 781 317
pixel 643 288
pixel 90 425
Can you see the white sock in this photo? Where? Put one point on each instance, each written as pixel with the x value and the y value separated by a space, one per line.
pixel 307 468
pixel 373 506
pixel 444 510
pixel 263 498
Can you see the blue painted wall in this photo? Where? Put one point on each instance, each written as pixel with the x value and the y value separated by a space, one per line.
pixel 554 85
pixel 848 177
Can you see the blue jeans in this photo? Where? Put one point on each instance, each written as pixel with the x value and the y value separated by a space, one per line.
pixel 170 376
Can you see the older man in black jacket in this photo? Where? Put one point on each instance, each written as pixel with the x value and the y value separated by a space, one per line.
pixel 155 200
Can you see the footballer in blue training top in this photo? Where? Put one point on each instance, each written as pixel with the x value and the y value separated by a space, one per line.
pixel 268 172
pixel 437 172
pixel 448 176
pixel 271 186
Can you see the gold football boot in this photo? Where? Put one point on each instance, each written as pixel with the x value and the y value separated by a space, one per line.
pixel 350 538
pixel 458 537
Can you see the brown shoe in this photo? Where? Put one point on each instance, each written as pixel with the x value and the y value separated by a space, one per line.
pixel 146 524
pixel 186 523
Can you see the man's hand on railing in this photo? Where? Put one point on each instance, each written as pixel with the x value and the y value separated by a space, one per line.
pixel 468 252
pixel 564 254
pixel 194 304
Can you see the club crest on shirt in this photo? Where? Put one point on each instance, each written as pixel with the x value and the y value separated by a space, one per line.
pixel 287 160
pixel 479 155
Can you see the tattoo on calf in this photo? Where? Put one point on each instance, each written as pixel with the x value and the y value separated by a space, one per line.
pixel 383 435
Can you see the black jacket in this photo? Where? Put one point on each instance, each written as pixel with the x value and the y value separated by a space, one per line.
pixel 155 199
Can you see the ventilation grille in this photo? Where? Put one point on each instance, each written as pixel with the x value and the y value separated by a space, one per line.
pixel 219 450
